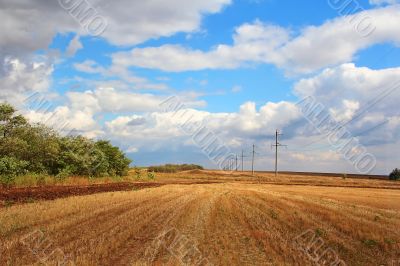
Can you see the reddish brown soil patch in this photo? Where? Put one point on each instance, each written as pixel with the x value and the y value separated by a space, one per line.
pixel 29 194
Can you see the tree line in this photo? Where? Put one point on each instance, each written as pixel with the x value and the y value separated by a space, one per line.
pixel 27 148
pixel 174 168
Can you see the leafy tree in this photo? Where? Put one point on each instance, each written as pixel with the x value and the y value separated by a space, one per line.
pixel 8 119
pixel 118 162
pixel 395 175
pixel 43 148
pixel 39 149
pixel 80 156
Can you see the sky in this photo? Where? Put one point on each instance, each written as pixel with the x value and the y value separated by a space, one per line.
pixel 237 69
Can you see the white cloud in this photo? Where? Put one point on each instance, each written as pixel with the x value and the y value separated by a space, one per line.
pixel 366 98
pixel 163 129
pixel 252 42
pixel 129 22
pixel 67 120
pixel 335 85
pixel 19 78
pixel 120 77
pixel 132 150
pixel 334 42
pixel 113 100
pixel 152 19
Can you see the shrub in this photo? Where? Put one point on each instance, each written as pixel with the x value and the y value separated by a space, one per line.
pixel 11 167
pixel 138 173
pixel 395 175
pixel 64 174
pixel 151 175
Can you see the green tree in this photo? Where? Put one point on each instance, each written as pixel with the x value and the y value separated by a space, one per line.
pixel 9 120
pixel 39 149
pixel 395 175
pixel 118 162
pixel 80 156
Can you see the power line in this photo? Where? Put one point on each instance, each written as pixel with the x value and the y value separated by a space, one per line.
pixel 242 157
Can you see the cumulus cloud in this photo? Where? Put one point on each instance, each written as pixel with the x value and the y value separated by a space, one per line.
pixel 363 98
pixel 252 42
pixel 334 42
pixel 20 78
pixel 117 101
pixel 31 25
pixel 117 76
pixel 164 128
pixel 143 20
pixel 67 120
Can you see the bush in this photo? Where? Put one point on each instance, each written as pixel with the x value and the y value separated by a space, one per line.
pixel 138 173
pixel 395 175
pixel 64 174
pixel 151 175
pixel 11 167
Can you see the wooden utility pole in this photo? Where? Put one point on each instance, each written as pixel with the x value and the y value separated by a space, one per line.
pixel 242 160
pixel 252 161
pixel 236 163
pixel 277 145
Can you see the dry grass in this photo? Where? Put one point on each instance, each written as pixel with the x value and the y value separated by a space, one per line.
pixel 230 222
pixel 34 180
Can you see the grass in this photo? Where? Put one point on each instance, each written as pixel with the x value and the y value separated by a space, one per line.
pixel 35 180
pixel 370 243
pixel 273 214
pixel 320 232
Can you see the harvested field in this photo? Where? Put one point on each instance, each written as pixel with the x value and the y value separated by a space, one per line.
pixel 224 223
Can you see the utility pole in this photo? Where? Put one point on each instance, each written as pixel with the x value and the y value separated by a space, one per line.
pixel 252 161
pixel 277 145
pixel 236 163
pixel 242 160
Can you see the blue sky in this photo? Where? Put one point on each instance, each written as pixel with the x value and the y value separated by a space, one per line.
pixel 239 66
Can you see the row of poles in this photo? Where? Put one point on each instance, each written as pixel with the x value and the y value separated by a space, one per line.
pixel 233 162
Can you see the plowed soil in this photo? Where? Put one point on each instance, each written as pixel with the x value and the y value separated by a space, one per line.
pixel 29 194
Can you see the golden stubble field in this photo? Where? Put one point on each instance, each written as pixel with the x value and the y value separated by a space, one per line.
pixel 210 218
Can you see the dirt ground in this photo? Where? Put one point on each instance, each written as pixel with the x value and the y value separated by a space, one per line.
pixel 10 196
pixel 208 218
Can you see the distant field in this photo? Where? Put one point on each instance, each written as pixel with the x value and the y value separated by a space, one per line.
pixel 212 218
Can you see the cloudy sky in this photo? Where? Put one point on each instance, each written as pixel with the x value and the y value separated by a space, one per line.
pixel 239 67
